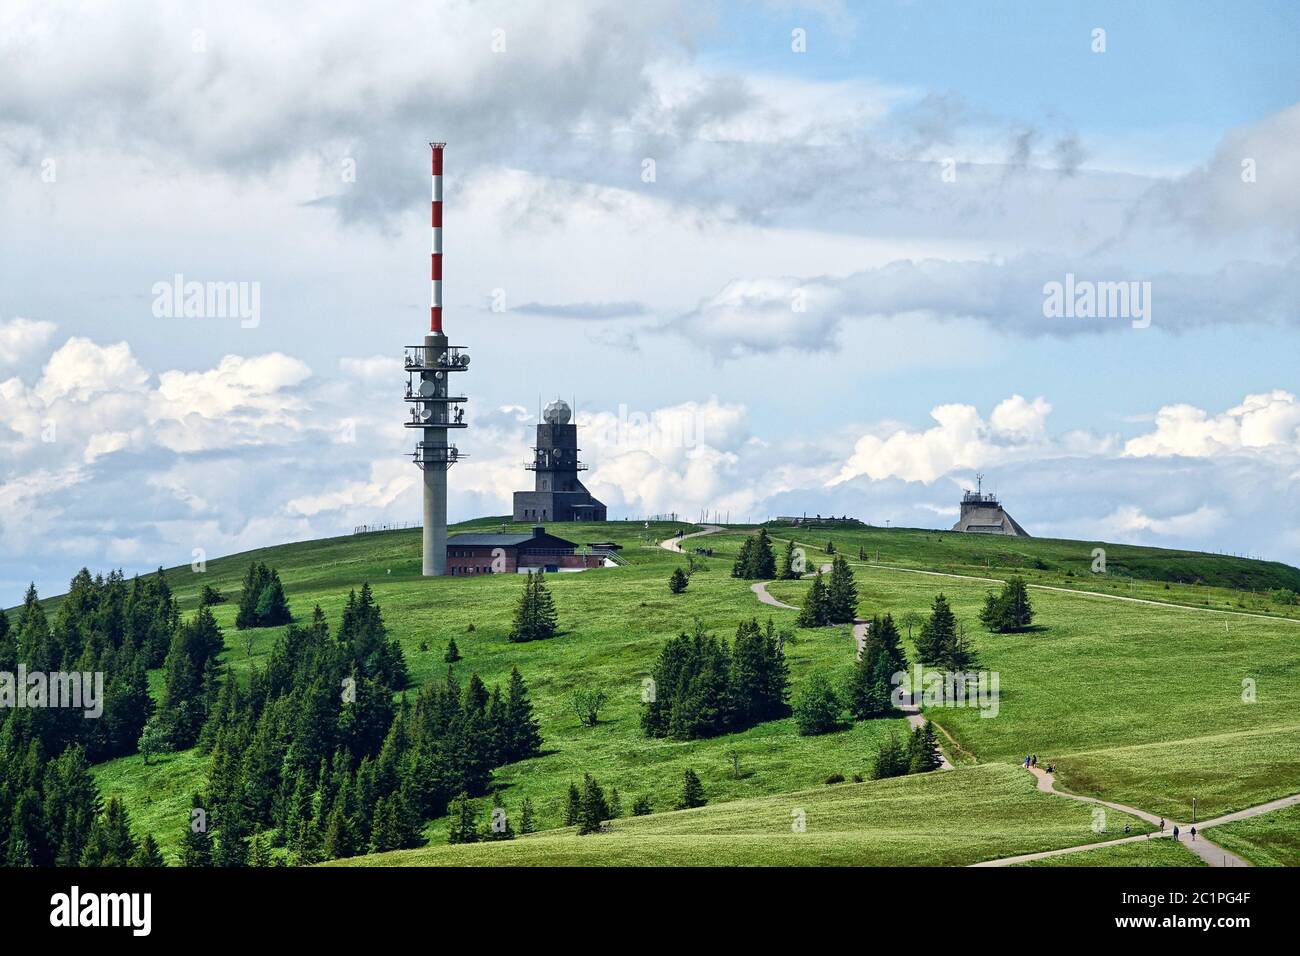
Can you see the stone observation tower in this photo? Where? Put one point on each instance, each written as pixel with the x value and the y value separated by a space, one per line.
pixel 557 493
pixel 434 407
pixel 982 513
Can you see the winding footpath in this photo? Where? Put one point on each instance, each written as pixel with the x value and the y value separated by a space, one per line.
pixel 1211 853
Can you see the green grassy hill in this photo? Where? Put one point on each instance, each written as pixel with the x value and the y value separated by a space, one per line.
pixel 938 819
pixel 1136 702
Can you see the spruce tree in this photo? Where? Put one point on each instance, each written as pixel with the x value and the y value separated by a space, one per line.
pixel 841 593
pixel 642 806
pixel 923 750
pixel 527 816
pixel 464 820
pixel 891 759
pixel 814 612
pixel 677 581
pixel 762 564
pixel 692 791
pixel 789 570
pixel 148 854
pixel 572 805
pixel 523 739
pixel 196 848
pixel 938 633
pixel 744 559
pixel 593 808
pixel 453 652
pixel 535 617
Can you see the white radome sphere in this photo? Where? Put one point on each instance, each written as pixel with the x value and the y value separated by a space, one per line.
pixel 557 413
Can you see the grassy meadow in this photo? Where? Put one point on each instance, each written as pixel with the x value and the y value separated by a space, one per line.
pixel 1138 703
pixel 939 819
pixel 1270 839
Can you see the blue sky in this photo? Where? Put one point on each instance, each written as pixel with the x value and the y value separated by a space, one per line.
pixel 211 141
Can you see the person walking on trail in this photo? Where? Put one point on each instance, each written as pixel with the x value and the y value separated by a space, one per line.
pixel 1162 824
pixel 1175 831
pixel 1193 833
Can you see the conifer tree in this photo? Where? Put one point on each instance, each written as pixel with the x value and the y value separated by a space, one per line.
pixel 527 816
pixel 815 612
pixel 535 617
pixel 744 559
pixel 692 791
pixel 572 805
pixel 762 559
pixel 110 842
pixel 891 759
pixel 593 808
pixel 523 739
pixel 615 804
pixel 196 849
pixel 938 633
pixel 789 562
pixel 841 593
pixel 338 834
pixel 641 806
pixel 259 850
pixel 453 652
pixel 923 750
pixel 1009 611
pixel 678 581
pixel 464 820
pixel 148 854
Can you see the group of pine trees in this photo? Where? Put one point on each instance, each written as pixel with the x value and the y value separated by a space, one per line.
pixel 1009 611
pixel 53 815
pixel 704 686
pixel 315 756
pixel 312 753
pixel 589 806
pixel 918 754
pixel 871 683
pixel 833 601
pixel 535 618
pixel 262 602
pixel 756 561
pixel 103 626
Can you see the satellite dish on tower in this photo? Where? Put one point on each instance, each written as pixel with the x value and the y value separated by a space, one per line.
pixel 427 388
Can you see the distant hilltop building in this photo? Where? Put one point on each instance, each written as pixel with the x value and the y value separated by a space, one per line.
pixel 557 493
pixel 504 553
pixel 983 514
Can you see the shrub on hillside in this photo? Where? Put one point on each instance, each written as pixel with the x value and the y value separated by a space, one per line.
pixel 817 707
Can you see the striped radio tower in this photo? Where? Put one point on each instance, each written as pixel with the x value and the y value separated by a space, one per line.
pixel 434 409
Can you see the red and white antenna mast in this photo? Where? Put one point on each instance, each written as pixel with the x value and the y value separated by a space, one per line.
pixel 435 284
pixel 435 408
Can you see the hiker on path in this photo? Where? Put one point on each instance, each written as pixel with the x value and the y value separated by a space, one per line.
pixel 1162 824
pixel 1193 833
pixel 1175 831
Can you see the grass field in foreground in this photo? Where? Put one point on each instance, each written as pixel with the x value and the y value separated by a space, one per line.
pixel 1164 852
pixel 1270 839
pixel 949 818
